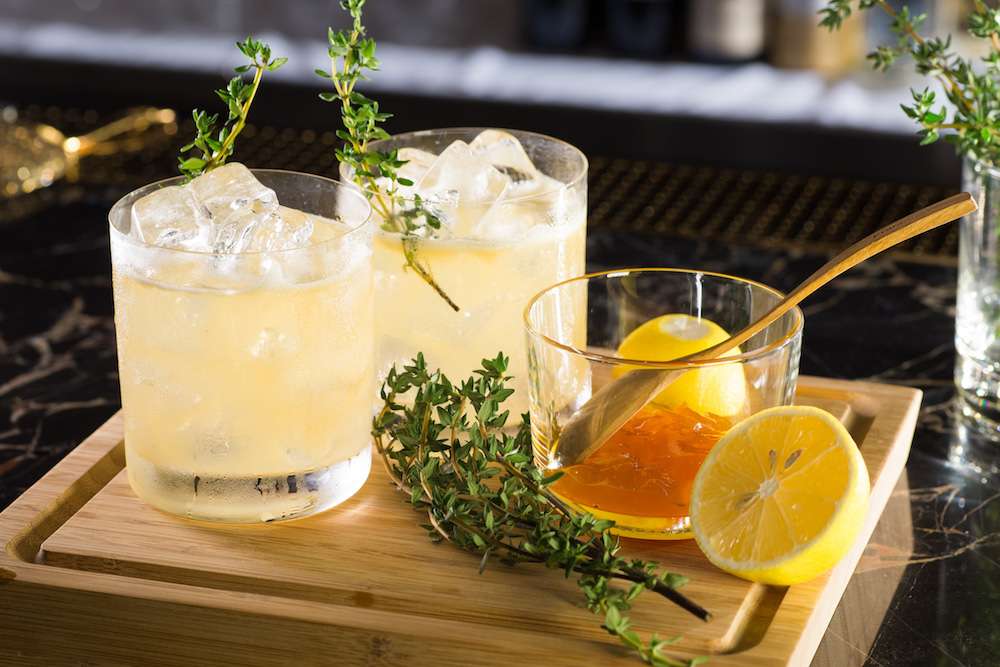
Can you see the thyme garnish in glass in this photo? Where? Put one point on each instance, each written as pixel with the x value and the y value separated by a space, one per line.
pixel 351 55
pixel 238 96
pixel 446 447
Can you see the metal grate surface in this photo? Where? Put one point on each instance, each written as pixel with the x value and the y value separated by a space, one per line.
pixel 716 204
pixel 753 207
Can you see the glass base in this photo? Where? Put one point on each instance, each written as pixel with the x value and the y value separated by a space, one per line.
pixel 670 528
pixel 978 385
pixel 973 451
pixel 292 495
pixel 639 527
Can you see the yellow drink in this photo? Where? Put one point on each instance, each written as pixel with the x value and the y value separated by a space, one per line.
pixel 247 379
pixel 512 208
pixel 491 282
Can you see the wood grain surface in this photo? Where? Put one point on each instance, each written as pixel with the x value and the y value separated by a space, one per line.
pixel 91 575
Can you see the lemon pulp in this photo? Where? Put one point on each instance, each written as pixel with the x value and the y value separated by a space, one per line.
pixel 781 497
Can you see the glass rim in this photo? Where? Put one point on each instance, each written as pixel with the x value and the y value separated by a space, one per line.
pixel 165 182
pixel 581 175
pixel 743 357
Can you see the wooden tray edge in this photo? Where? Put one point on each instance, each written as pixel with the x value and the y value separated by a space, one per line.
pixel 840 575
pixel 60 493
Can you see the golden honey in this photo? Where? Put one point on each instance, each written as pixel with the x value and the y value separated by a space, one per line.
pixel 642 476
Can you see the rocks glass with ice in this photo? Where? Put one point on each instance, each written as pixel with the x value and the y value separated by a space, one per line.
pixel 513 211
pixel 244 318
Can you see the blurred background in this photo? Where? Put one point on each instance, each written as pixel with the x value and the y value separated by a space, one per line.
pixel 728 82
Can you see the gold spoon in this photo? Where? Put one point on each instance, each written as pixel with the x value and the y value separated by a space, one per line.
pixel 616 402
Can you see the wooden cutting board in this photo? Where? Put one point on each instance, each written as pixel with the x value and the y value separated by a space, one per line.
pixel 91 575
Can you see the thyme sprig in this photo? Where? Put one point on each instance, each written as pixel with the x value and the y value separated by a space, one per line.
pixel 352 54
pixel 971 90
pixel 238 95
pixel 446 447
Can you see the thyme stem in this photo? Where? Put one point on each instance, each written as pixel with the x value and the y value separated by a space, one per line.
pixel 238 96
pixel 351 54
pixel 227 146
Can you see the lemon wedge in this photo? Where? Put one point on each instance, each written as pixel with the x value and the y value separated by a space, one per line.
pixel 718 390
pixel 781 497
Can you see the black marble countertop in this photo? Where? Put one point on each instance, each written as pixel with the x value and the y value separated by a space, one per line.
pixel 885 321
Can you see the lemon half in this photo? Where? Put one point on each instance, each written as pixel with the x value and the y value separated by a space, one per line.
pixel 781 497
pixel 719 390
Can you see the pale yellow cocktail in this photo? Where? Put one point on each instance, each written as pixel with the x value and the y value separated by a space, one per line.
pixel 512 207
pixel 247 375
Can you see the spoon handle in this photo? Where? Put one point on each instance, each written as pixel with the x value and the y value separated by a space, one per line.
pixel 892 234
pixel 616 402
pixel 101 139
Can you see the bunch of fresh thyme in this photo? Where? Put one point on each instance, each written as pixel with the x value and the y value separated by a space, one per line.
pixel 445 446
pixel 974 126
pixel 351 55
pixel 238 96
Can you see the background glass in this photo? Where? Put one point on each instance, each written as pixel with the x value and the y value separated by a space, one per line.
pixel 247 379
pixel 977 326
pixel 573 331
pixel 489 278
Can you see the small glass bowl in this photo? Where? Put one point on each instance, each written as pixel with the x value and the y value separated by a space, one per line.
pixel 641 478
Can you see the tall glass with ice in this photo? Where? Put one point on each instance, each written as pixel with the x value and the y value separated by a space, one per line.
pixel 244 318
pixel 513 212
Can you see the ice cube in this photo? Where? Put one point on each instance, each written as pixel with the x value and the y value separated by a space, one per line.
pixel 326 229
pixel 530 206
pixel 171 217
pixel 231 190
pixel 237 202
pixel 461 187
pixel 505 153
pixel 284 229
pixel 417 163
pixel 298 240
pixel 236 231
pixel 507 221
pixel 458 170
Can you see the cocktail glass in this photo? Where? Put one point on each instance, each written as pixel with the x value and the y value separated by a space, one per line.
pixel 641 478
pixel 492 253
pixel 247 376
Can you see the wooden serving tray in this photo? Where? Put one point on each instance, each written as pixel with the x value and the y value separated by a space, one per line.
pixel 91 575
